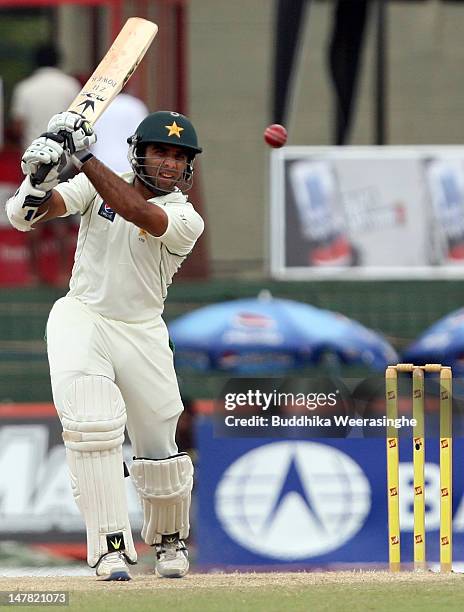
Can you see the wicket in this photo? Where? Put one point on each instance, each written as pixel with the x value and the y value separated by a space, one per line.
pixel 446 494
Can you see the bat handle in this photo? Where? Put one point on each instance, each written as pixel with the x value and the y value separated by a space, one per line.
pixel 65 138
pixel 40 175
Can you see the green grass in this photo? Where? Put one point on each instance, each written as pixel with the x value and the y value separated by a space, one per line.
pixel 425 595
pixel 345 591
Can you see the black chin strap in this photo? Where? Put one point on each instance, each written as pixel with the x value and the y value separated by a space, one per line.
pixel 154 190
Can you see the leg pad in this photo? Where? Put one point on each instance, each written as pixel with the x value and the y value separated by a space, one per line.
pixel 165 487
pixel 93 419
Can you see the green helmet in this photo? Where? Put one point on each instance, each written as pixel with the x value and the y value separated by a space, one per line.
pixel 169 128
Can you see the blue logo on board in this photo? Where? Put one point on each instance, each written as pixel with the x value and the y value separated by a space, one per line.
pixel 313 497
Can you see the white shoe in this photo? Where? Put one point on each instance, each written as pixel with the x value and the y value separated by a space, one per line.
pixel 112 566
pixel 171 557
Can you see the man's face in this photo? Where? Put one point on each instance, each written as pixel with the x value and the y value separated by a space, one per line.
pixel 165 165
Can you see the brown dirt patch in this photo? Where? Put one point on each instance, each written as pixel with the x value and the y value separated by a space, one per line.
pixel 223 581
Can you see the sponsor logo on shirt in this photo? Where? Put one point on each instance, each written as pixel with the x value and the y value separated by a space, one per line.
pixel 106 212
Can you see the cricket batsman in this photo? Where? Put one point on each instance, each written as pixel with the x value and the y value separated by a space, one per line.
pixel 111 365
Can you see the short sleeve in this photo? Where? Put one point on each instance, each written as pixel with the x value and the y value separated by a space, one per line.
pixel 185 226
pixel 77 193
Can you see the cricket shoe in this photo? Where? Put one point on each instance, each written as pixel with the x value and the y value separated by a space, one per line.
pixel 112 566
pixel 171 557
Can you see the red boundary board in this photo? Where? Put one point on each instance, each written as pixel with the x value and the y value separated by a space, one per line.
pixel 27 411
pixel 47 410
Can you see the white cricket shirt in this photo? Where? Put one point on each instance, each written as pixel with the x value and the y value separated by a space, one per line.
pixel 121 271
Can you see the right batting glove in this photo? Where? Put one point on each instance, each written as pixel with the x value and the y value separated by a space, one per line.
pixel 75 128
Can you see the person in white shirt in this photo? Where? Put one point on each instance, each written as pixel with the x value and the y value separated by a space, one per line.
pixel 113 128
pixel 43 94
pixel 108 347
pixel 34 100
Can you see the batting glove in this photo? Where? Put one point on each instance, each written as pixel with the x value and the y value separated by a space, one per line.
pixel 43 160
pixel 75 128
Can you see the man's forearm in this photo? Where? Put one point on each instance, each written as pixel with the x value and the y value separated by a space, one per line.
pixel 124 199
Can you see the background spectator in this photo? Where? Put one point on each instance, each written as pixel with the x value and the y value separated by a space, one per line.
pixel 113 128
pixel 34 100
pixel 46 92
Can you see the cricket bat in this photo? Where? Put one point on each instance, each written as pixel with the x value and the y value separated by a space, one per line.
pixel 115 69
pixel 110 76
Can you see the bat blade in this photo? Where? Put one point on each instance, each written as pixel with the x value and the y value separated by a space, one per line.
pixel 115 69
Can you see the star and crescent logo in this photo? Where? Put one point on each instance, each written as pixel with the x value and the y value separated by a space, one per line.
pixel 174 129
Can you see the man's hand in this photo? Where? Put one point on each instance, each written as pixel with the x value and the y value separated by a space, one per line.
pixel 43 161
pixel 75 128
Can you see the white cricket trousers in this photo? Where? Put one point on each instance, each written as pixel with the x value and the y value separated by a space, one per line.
pixel 135 356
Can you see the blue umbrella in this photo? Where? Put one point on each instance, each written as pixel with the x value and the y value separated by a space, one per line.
pixel 443 343
pixel 265 334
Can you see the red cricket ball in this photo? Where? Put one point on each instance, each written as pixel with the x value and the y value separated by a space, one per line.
pixel 275 135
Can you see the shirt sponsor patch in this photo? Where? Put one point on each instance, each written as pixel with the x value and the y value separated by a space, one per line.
pixel 106 212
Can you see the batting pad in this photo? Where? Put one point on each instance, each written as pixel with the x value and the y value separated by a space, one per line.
pixel 165 487
pixel 93 419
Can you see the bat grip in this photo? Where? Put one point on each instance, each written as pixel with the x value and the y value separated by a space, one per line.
pixel 67 141
pixel 40 175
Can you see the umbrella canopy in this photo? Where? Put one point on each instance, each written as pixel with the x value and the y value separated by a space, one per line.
pixel 443 343
pixel 265 334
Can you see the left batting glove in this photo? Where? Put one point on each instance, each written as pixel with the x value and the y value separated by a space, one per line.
pixel 75 128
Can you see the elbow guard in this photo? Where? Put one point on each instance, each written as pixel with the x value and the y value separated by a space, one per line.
pixel 22 208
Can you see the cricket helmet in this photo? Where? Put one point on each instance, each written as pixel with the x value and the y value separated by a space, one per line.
pixel 169 128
